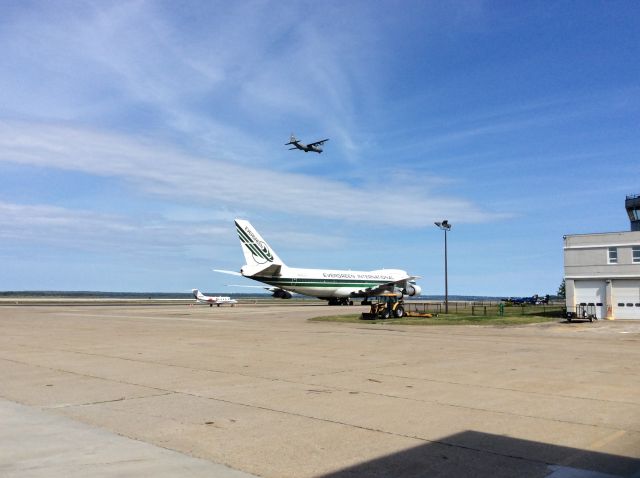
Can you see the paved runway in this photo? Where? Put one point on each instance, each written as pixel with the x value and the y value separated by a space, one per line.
pixel 262 391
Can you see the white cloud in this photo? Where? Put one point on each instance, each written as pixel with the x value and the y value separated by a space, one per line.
pixel 14 217
pixel 107 233
pixel 201 77
pixel 156 169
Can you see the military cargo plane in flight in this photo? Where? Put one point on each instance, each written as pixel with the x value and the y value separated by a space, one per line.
pixel 211 300
pixel 314 147
pixel 338 287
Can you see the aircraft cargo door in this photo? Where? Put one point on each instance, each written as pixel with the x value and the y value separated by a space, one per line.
pixel 626 299
pixel 592 293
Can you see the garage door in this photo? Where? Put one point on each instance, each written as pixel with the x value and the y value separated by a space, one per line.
pixel 592 293
pixel 626 299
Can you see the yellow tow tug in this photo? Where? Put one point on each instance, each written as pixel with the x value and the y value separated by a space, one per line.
pixel 385 306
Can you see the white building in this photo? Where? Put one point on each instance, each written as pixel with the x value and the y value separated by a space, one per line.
pixel 602 271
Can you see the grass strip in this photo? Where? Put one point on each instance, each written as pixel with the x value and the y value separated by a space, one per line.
pixel 442 319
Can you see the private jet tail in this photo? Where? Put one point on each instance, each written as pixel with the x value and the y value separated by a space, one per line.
pixel 197 294
pixel 260 258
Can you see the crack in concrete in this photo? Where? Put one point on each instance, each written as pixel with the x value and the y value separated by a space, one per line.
pixel 100 402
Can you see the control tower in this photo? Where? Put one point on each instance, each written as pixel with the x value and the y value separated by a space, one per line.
pixel 632 204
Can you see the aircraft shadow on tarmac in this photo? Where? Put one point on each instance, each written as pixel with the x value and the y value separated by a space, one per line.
pixel 482 455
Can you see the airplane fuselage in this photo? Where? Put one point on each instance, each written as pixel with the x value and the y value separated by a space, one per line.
pixel 306 148
pixel 218 301
pixel 327 283
pixel 212 300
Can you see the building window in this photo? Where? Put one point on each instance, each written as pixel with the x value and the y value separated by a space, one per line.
pixel 613 255
pixel 636 254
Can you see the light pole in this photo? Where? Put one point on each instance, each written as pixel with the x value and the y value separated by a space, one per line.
pixel 445 226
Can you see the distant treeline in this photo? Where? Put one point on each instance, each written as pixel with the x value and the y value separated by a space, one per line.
pixel 107 295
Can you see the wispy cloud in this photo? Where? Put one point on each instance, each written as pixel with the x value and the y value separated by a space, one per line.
pixel 156 169
pixel 240 64
pixel 132 70
pixel 91 231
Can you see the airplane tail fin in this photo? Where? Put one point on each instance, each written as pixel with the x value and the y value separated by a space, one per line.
pixel 257 253
pixel 292 140
pixel 195 292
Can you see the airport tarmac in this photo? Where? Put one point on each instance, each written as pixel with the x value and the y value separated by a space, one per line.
pixel 182 390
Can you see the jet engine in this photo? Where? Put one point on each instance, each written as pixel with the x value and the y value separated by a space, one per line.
pixel 412 289
pixel 281 294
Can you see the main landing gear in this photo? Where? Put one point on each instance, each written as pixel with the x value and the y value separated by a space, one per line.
pixel 340 301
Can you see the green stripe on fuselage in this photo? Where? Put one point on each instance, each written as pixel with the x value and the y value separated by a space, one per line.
pixel 285 282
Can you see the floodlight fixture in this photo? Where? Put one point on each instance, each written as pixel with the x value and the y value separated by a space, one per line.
pixel 444 225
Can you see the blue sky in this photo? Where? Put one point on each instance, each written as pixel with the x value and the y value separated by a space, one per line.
pixel 133 133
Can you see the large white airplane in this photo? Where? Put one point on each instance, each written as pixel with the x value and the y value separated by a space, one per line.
pixel 338 287
pixel 211 300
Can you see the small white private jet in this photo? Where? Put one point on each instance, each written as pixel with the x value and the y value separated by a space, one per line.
pixel 338 287
pixel 211 300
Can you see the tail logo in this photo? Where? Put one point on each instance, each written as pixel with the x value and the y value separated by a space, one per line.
pixel 259 250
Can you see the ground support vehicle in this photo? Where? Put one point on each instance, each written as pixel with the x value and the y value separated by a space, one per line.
pixel 385 306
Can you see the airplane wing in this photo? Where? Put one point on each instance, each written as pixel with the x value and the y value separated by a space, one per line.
pixel 270 289
pixel 233 273
pixel 318 143
pixel 251 286
pixel 387 287
pixel 278 292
